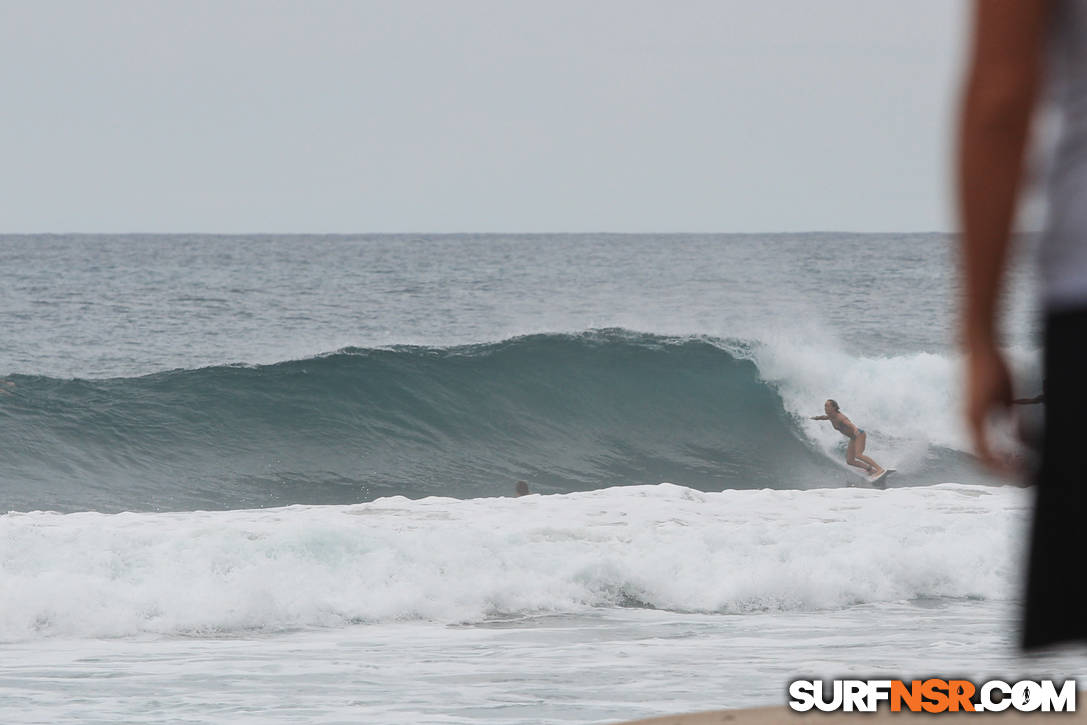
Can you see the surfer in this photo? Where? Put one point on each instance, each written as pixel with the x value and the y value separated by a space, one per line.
pixel 522 488
pixel 854 452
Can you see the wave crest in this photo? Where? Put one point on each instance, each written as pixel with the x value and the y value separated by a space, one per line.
pixel 565 412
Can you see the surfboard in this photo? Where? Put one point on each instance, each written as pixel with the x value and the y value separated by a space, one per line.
pixel 867 481
pixel 880 481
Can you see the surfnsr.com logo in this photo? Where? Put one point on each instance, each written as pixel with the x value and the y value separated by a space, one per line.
pixel 932 695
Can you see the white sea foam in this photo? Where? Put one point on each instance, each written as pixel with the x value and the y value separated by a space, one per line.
pixel 449 560
pixel 905 403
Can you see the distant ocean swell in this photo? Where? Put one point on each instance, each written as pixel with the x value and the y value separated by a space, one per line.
pixel 565 412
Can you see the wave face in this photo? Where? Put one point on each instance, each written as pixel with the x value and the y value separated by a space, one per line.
pixel 564 412
pixel 449 560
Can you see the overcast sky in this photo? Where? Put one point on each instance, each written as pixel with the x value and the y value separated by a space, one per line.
pixel 472 115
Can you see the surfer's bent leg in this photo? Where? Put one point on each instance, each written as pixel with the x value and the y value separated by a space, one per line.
pixel 856 449
pixel 853 458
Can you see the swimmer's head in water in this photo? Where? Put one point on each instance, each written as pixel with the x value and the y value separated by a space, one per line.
pixel 831 406
pixel 522 488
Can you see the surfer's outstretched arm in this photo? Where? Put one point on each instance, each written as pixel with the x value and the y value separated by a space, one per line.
pixel 820 417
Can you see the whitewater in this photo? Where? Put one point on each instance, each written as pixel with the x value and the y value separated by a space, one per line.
pixel 269 479
pixel 439 559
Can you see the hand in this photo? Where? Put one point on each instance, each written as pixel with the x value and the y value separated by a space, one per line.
pixel 988 389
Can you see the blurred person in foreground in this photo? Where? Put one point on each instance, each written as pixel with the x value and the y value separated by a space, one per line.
pixel 1018 48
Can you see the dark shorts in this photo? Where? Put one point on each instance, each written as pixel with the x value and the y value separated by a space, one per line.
pixel 1056 596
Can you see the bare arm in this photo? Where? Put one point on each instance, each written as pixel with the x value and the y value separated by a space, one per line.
pixel 820 417
pixel 1001 88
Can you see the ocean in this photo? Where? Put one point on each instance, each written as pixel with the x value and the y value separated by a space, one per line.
pixel 271 478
